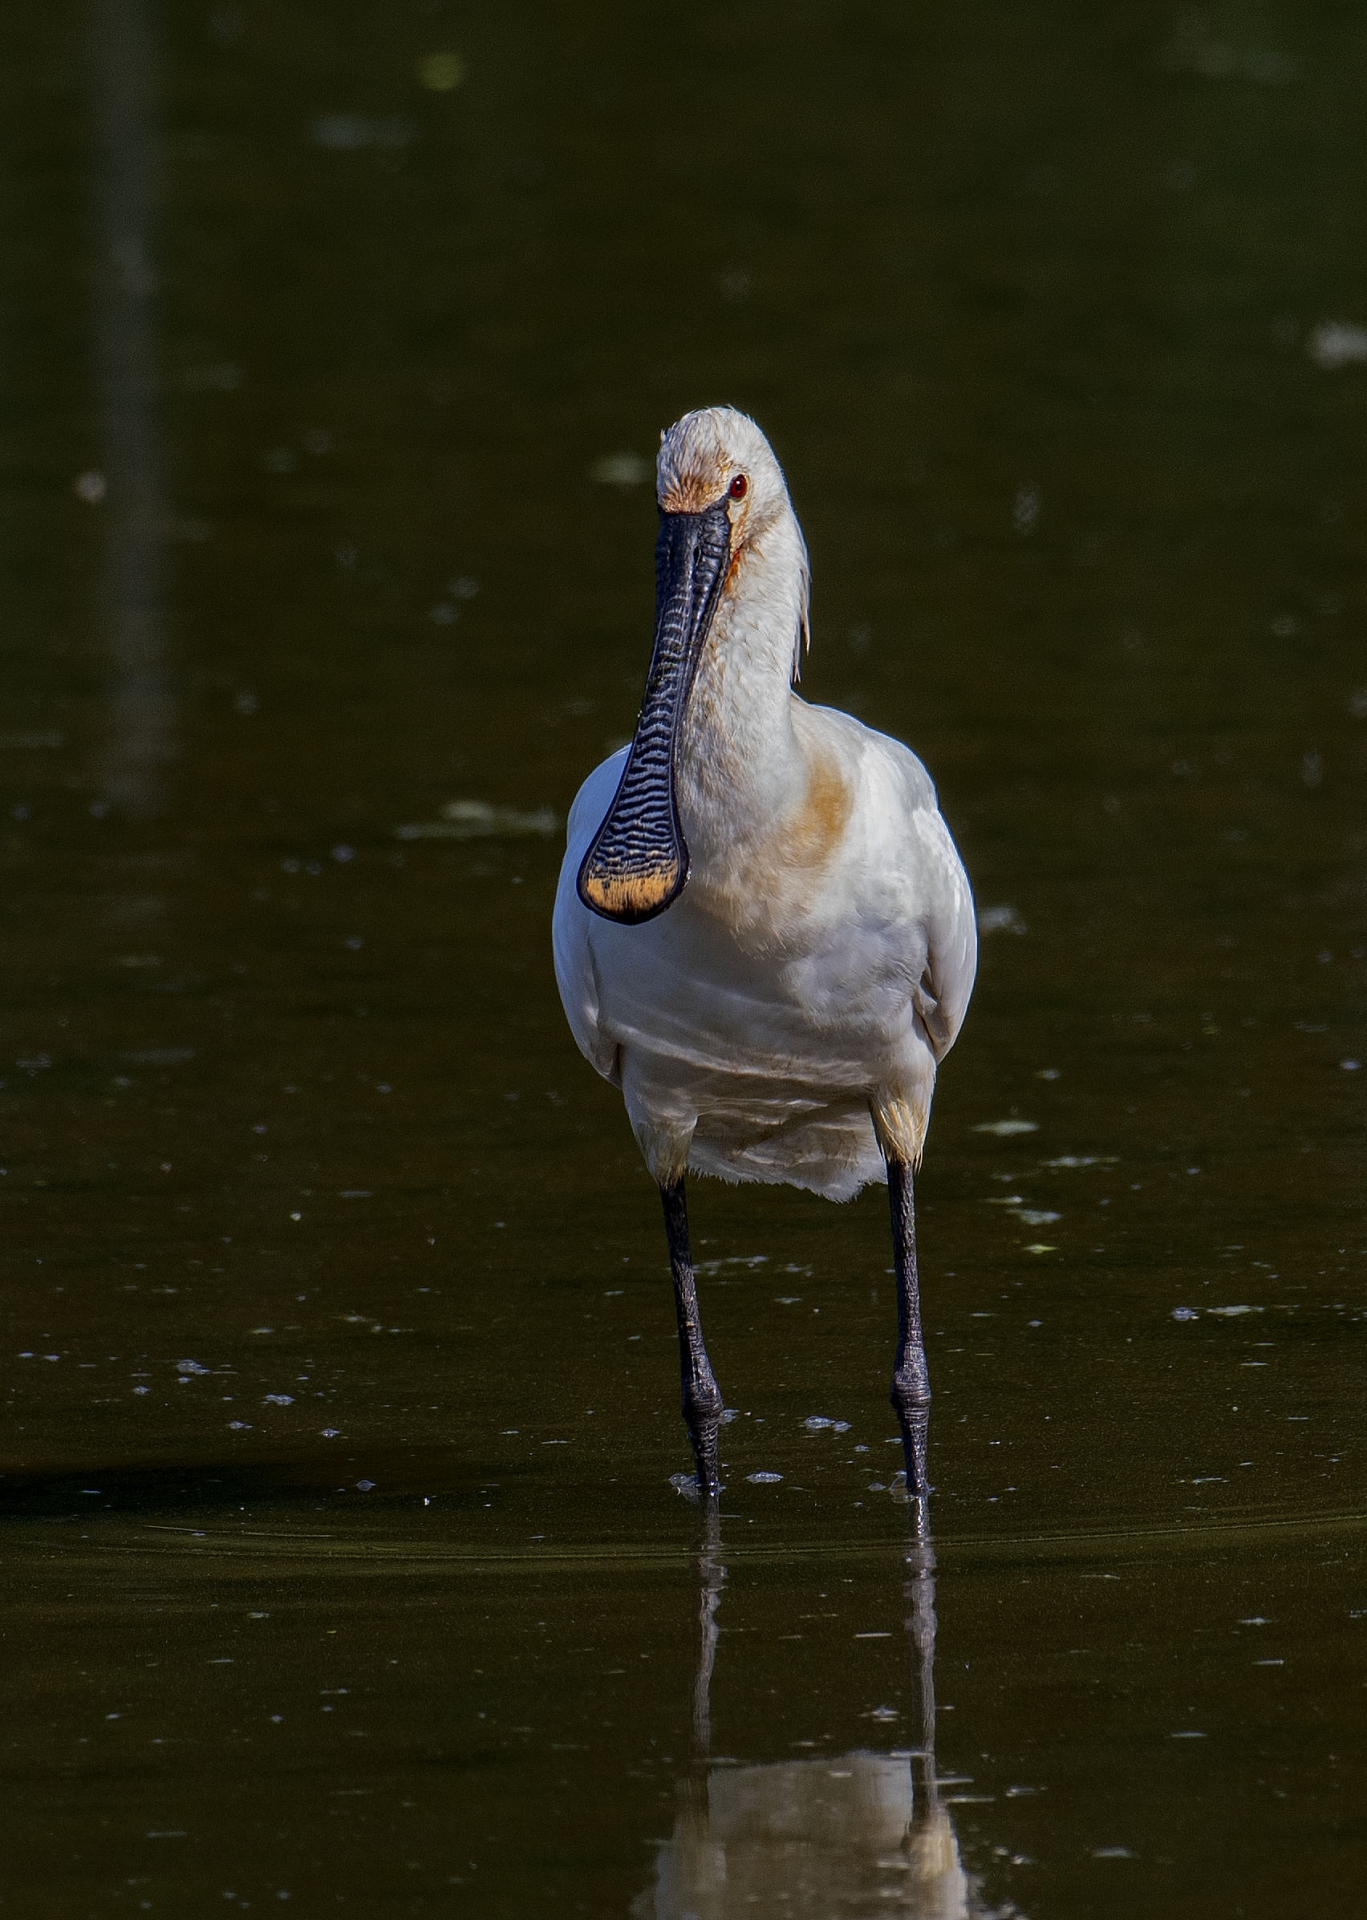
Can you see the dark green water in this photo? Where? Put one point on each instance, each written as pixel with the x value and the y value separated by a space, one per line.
pixel 340 1559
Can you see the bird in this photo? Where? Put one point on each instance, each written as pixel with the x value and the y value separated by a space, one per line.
pixel 763 933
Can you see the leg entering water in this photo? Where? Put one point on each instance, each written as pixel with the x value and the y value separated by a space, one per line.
pixel 910 1378
pixel 702 1401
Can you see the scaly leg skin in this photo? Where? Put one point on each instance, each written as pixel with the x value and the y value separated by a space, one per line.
pixel 910 1378
pixel 702 1401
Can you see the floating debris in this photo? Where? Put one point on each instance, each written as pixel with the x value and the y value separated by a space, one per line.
pixel 1004 1129
pixel 620 470
pixel 1337 343
pixel 478 820
pixel 1000 920
pixel 764 1479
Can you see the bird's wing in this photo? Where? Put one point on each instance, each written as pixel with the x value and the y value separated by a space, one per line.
pixel 918 845
pixel 572 928
pixel 951 942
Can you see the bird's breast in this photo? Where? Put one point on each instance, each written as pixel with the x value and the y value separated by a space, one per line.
pixel 765 844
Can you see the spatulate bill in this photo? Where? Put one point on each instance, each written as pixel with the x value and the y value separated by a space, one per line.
pixel 637 863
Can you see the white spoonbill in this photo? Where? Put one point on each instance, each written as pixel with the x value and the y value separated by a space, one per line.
pixel 763 932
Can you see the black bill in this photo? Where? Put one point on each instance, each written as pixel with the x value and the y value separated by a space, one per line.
pixel 637 863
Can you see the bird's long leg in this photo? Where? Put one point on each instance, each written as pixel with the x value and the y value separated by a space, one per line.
pixel 702 1401
pixel 910 1378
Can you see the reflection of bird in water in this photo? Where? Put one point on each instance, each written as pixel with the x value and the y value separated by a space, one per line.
pixel 847 1838
pixel 763 933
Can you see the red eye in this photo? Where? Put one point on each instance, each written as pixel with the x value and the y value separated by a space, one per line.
pixel 737 487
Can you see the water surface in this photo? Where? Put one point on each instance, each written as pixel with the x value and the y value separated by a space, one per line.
pixel 342 1561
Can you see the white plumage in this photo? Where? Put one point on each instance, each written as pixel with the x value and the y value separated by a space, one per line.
pixel 783 1019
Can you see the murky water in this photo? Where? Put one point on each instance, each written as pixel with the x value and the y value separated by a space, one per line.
pixel 341 1561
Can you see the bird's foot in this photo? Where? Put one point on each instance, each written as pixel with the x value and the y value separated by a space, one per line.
pixel 703 1434
pixel 703 1411
pixel 915 1424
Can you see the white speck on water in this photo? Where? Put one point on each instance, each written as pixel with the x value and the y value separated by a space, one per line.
pixel 1032 1219
pixel 331 1433
pixel 480 820
pixel 365 1486
pixel 1337 343
pixel 1186 1313
pixel 1026 508
pixel 234 1426
pixel 1004 1129
pixel 1189 1733
pixel 1113 1853
pixel 190 1366
pixel 1004 919
pixel 764 1479
pixel 620 470
pixel 1232 1313
pixel 1351 1066
pixel 90 486
pixel 279 1400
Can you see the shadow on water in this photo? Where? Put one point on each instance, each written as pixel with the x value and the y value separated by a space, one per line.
pixel 820 1837
pixel 153 1489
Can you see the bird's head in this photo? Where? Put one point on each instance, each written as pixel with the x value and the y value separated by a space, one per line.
pixel 718 460
pixel 720 490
